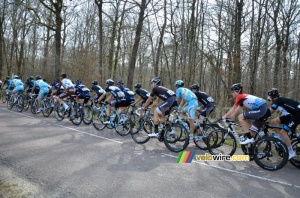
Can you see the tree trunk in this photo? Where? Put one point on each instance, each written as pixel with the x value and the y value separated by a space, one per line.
pixel 137 39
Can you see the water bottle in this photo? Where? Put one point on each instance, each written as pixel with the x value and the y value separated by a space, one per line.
pixel 261 135
pixel 275 135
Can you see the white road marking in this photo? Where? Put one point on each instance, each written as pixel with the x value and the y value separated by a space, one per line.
pixel 241 173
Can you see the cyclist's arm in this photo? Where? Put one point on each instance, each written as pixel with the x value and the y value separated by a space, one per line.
pixel 232 112
pixel 138 100
pixel 101 97
pixel 148 102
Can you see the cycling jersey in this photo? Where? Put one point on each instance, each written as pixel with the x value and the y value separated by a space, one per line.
pixel 290 105
pixel 186 94
pixel 81 88
pixel 41 84
pixel 129 95
pixel 116 92
pixel 204 98
pixel 144 94
pixel 249 101
pixel 67 83
pixel 98 90
pixel 162 92
pixel 17 84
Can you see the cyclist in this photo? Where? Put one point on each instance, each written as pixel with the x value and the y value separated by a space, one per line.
pixel 82 92
pixel 143 94
pixel 127 100
pixel 99 91
pixel 69 89
pixel 283 115
pixel 188 103
pixel 291 106
pixel 44 90
pixel 7 82
pixel 18 86
pixel 259 111
pixel 206 100
pixel 30 83
pixel 169 101
pixel 116 98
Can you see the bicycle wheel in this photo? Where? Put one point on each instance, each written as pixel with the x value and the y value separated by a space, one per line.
pixel 270 153
pixel 4 98
pixel 20 103
pixel 33 107
pixel 219 142
pixel 87 115
pixel 140 129
pixel 10 102
pixel 295 161
pixel 77 116
pixel 202 133
pixel 59 112
pixel 26 103
pixel 98 119
pixel 47 110
pixel 122 129
pixel 179 140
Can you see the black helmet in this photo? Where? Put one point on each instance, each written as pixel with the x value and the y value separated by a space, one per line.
pixel 156 80
pixel 78 82
pixel 179 83
pixel 120 82
pixel 273 92
pixel 64 75
pixel 137 85
pixel 95 82
pixel 195 86
pixel 237 87
pixel 38 77
pixel 110 82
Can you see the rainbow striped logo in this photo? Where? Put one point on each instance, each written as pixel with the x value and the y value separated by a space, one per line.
pixel 185 156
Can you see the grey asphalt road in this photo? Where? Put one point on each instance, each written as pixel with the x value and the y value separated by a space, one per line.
pixel 41 157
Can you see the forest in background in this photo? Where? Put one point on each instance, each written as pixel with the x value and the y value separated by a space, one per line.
pixel 214 43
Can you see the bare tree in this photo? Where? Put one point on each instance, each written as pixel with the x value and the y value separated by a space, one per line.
pixel 137 39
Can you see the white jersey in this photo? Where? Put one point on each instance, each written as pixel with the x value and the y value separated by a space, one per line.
pixel 67 83
pixel 281 111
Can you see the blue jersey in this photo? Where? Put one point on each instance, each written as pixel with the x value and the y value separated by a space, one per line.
pixel 15 83
pixel 41 84
pixel 186 94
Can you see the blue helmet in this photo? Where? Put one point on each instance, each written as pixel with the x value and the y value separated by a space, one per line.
pixel 179 83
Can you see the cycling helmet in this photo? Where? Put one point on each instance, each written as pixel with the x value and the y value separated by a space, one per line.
pixel 156 80
pixel 64 75
pixel 120 82
pixel 237 87
pixel 38 77
pixel 7 77
pixel 273 92
pixel 15 77
pixel 110 82
pixel 137 85
pixel 195 86
pixel 179 83
pixel 78 82
pixel 95 82
pixel 31 78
